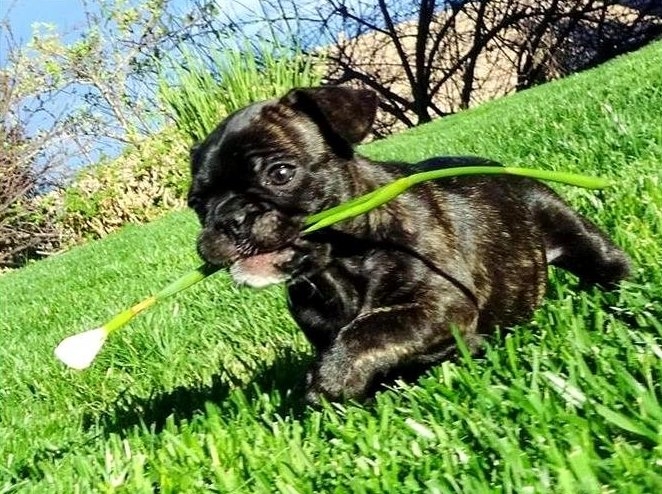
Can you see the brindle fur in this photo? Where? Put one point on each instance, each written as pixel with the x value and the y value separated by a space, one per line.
pixel 383 291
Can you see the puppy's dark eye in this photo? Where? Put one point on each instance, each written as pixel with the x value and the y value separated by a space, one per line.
pixel 280 174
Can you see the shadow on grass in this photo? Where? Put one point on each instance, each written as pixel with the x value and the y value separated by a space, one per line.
pixel 283 381
pixel 284 378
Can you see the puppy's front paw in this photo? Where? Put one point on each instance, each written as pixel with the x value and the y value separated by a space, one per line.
pixel 336 377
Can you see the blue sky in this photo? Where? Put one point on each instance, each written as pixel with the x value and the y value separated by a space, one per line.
pixel 69 17
pixel 66 14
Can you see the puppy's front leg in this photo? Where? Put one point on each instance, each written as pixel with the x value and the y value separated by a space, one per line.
pixel 385 339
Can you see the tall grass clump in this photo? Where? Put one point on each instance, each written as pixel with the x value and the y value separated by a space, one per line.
pixel 197 94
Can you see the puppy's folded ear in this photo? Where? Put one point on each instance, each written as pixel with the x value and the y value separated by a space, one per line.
pixel 346 112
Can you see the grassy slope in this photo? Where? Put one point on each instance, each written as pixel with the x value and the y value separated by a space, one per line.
pixel 202 392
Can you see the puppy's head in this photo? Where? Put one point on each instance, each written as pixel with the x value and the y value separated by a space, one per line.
pixel 265 168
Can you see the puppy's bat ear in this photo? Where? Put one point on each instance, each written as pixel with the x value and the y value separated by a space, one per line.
pixel 348 113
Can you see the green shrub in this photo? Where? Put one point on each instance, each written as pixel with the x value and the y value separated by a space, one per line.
pixel 197 98
pixel 139 186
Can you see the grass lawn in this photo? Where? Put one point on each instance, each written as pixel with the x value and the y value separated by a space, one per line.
pixel 203 392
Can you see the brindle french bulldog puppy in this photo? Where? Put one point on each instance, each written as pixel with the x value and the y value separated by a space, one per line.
pixel 380 292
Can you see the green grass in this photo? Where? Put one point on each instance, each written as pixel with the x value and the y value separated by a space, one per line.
pixel 203 392
pixel 196 98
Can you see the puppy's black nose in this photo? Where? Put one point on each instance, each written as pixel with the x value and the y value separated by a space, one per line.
pixel 232 222
pixel 235 225
pixel 237 218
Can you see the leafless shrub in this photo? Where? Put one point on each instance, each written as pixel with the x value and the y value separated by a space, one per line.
pixel 31 162
pixel 431 58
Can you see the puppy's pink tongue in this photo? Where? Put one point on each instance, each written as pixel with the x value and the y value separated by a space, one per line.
pixel 260 264
pixel 260 270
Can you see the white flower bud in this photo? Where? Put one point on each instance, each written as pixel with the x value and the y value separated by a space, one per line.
pixel 78 351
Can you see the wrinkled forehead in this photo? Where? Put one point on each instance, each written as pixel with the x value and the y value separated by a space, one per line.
pixel 242 120
pixel 263 131
pixel 236 123
pixel 268 128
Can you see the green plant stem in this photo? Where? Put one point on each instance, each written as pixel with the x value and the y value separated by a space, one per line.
pixel 376 198
pixel 176 286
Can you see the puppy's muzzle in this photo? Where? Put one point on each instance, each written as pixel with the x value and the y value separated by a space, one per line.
pixel 253 239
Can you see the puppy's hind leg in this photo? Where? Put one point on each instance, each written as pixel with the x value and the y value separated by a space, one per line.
pixel 575 244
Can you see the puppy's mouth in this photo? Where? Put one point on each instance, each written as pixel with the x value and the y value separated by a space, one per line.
pixel 258 251
pixel 260 270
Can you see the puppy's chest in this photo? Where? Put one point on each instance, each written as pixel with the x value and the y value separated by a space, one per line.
pixel 323 303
